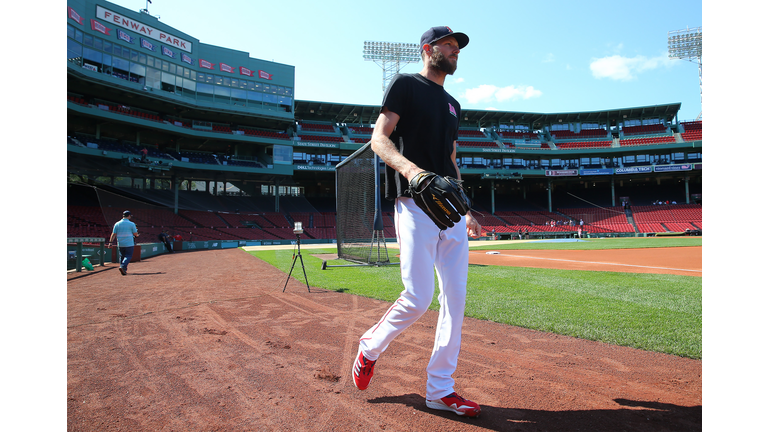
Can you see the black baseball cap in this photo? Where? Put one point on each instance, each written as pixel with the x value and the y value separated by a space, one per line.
pixel 126 213
pixel 436 33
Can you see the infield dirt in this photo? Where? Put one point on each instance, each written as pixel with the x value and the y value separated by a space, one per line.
pixel 207 341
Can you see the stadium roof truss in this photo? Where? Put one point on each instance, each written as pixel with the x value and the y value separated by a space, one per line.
pixel 336 112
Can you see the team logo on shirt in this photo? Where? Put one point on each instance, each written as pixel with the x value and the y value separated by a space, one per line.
pixel 452 110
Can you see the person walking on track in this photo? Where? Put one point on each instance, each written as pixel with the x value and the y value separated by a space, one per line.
pixel 416 131
pixel 124 231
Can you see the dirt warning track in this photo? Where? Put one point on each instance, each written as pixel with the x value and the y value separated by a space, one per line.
pixel 207 341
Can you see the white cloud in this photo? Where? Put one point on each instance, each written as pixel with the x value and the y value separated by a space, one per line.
pixel 488 93
pixel 621 68
pixel 549 58
pixel 482 93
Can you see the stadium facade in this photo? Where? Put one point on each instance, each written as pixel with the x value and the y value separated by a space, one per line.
pixel 157 116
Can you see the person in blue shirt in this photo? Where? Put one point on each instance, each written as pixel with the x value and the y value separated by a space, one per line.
pixel 124 231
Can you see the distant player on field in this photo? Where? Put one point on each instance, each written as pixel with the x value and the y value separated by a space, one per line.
pixel 124 231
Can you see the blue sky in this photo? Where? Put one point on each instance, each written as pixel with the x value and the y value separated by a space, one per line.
pixel 543 56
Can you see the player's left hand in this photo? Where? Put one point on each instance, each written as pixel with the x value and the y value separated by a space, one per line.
pixel 473 227
pixel 441 198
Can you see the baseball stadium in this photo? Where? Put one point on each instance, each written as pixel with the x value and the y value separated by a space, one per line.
pixel 584 294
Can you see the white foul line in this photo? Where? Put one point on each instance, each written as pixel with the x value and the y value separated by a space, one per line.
pixel 595 262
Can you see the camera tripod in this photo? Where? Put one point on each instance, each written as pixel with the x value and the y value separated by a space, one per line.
pixel 298 255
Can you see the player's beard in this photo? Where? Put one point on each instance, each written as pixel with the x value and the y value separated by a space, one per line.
pixel 440 62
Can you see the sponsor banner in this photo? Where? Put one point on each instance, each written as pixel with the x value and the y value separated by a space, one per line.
pixel 494 150
pixel 99 27
pixel 147 44
pixel 560 173
pixel 168 52
pixel 226 68
pixel 245 71
pixel 670 168
pixel 186 59
pixel 596 171
pixel 142 29
pixel 315 167
pixel 265 75
pixel 314 144
pixel 634 170
pixel 124 36
pixel 697 166
pixel 74 15
pixel 206 64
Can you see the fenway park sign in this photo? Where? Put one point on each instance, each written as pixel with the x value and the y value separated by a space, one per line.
pixel 119 20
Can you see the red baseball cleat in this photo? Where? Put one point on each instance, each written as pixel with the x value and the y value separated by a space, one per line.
pixel 457 404
pixel 362 370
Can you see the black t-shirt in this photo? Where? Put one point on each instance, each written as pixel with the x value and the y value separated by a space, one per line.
pixel 426 131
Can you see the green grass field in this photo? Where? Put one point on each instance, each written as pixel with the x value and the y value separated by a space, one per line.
pixel 653 312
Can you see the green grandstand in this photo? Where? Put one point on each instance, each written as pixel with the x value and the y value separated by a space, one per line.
pixel 210 144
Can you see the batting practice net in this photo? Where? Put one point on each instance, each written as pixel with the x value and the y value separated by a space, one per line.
pixel 359 222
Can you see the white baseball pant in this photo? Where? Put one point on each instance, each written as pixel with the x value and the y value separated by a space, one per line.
pixel 425 249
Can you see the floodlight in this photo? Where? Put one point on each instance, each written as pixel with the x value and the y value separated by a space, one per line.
pixel 686 45
pixel 391 57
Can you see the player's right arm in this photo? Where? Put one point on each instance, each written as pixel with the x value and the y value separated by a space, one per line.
pixel 386 149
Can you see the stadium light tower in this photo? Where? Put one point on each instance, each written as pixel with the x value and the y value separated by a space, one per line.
pixel 391 57
pixel 686 45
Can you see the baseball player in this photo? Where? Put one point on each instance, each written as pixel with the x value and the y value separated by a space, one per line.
pixel 415 135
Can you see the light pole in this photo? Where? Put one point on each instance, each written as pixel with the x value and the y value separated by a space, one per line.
pixel 686 45
pixel 391 57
